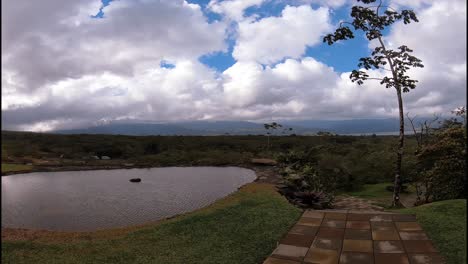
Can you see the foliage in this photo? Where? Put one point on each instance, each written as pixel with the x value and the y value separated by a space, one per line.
pixel 366 159
pixel 304 184
pixel 442 164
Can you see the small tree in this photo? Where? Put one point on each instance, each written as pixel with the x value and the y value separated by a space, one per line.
pixel 372 20
pixel 269 126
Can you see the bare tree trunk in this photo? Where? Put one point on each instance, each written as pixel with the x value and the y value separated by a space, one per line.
pixel 401 143
pixel 401 140
pixel 268 144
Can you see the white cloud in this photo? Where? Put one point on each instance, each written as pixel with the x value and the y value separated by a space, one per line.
pixel 272 39
pixel 233 9
pixel 62 69
pixel 68 43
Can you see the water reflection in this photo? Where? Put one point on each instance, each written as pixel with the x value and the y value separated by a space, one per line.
pixel 90 200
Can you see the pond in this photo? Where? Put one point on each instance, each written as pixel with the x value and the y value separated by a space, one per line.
pixel 92 200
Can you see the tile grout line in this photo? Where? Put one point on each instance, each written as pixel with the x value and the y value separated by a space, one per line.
pixel 315 237
pixel 342 240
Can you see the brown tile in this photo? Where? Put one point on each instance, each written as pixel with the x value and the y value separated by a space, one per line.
pixel 327 243
pixel 393 258
pixel 404 218
pixel 408 226
pixel 419 246
pixel 304 230
pixel 309 221
pixel 357 245
pixel 290 252
pixel 322 256
pixel 330 232
pixel 359 217
pixel 334 223
pixel 297 240
pixel 382 226
pixel 391 246
pixel 381 217
pixel 385 235
pixel 335 216
pixel 313 214
pixel 356 258
pixel 415 235
pixel 429 258
pixel 360 234
pixel 358 225
pixel 271 260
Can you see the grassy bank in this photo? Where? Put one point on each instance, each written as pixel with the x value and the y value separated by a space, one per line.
pixel 445 223
pixel 15 167
pixel 241 228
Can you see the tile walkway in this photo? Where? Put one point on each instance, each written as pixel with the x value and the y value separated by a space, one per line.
pixel 349 236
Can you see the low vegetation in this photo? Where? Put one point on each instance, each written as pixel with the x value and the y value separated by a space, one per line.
pixel 6 167
pixel 241 228
pixel 445 224
pixel 366 159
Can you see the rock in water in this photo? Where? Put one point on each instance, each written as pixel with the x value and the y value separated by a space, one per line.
pixel 135 180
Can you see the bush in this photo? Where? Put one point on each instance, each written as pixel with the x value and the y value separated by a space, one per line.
pixel 441 168
pixel 303 184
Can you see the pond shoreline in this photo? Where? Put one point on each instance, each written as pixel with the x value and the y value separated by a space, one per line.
pixel 264 175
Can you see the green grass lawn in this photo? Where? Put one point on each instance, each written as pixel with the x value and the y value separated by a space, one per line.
pixel 241 228
pixel 445 224
pixel 378 194
pixel 6 167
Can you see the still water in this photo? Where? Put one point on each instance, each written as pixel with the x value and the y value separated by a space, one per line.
pixel 91 200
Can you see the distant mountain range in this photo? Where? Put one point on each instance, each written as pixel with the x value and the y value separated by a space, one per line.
pixel 199 128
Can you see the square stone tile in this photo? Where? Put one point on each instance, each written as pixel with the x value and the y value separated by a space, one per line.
pixel 356 258
pixel 304 230
pixel 414 235
pixel 357 225
pixel 335 216
pixel 309 221
pixel 330 232
pixel 387 258
pixel 271 260
pixel 334 223
pixel 290 252
pixel 404 218
pixel 357 245
pixel 389 246
pixel 360 234
pixel 381 217
pixel 359 217
pixel 408 226
pixel 385 235
pixel 297 240
pixel 429 258
pixel 419 246
pixel 382 226
pixel 327 243
pixel 313 214
pixel 322 256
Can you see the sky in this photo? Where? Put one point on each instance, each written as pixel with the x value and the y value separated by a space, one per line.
pixel 69 64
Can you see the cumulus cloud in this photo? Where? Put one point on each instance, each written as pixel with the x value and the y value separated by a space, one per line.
pixel 63 69
pixel 70 44
pixel 271 39
pixel 233 9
